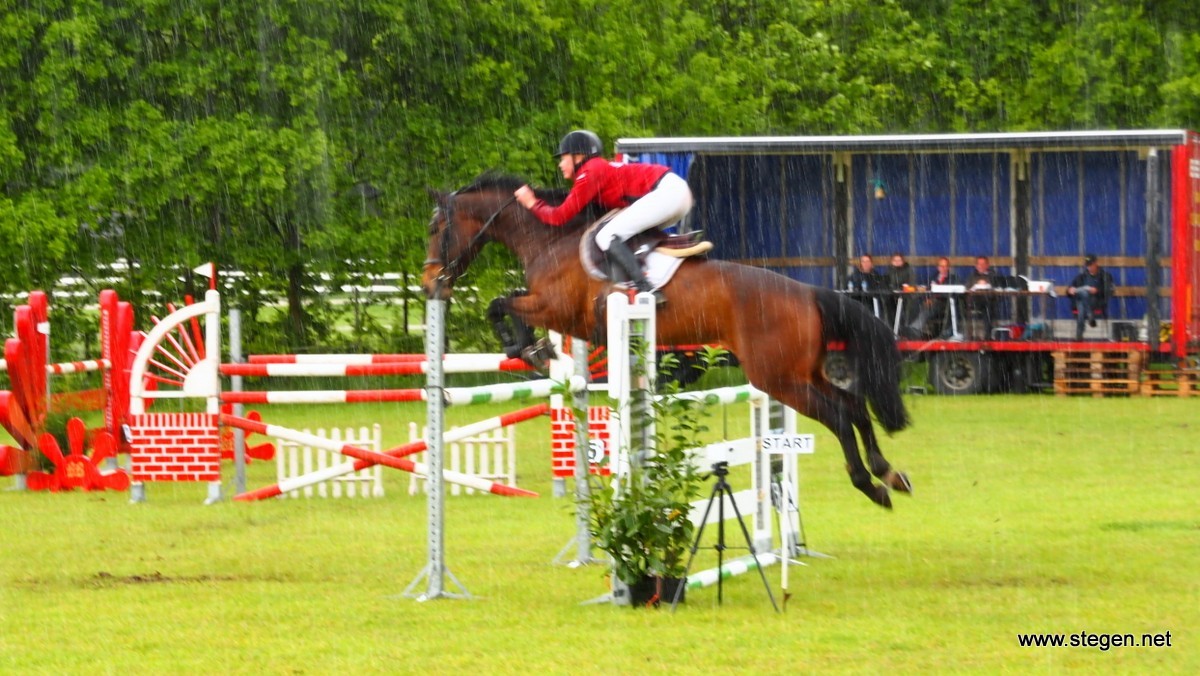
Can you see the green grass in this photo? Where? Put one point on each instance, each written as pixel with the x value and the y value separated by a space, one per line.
pixel 1031 514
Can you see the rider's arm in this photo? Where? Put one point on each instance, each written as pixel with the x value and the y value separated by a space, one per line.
pixel 584 191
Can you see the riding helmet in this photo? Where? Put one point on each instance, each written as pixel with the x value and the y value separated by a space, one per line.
pixel 580 141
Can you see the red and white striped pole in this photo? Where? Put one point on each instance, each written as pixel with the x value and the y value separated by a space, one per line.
pixel 322 396
pixel 360 358
pixel 69 366
pixel 467 364
pixel 392 458
pixel 530 389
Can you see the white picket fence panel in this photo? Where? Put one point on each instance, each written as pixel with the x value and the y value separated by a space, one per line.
pixel 491 456
pixel 293 460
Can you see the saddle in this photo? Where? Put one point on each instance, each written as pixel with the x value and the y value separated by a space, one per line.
pixel 654 240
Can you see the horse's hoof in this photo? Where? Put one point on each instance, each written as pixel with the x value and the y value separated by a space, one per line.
pixel 898 481
pixel 882 497
pixel 539 355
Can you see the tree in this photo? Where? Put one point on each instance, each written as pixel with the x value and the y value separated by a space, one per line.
pixel 294 140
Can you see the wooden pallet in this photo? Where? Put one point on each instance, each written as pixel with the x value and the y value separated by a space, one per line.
pixel 1173 383
pixel 1097 373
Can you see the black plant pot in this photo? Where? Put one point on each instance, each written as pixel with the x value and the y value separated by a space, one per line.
pixel 647 591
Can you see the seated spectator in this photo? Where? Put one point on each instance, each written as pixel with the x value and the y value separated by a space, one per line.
pixel 982 277
pixel 983 309
pixel 900 274
pixel 865 284
pixel 865 278
pixel 932 321
pixel 900 278
pixel 1090 292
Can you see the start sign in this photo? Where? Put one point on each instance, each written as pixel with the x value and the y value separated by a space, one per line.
pixel 787 444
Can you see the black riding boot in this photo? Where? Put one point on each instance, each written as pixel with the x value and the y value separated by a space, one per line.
pixel 624 265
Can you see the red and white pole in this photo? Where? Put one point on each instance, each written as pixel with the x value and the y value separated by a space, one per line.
pixel 392 458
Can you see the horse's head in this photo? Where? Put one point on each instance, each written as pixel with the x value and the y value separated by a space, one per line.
pixel 458 230
pixel 444 245
pixel 485 211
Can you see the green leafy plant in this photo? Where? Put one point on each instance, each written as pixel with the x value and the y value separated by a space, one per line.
pixel 642 520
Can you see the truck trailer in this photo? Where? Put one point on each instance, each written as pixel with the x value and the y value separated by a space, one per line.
pixel 1034 203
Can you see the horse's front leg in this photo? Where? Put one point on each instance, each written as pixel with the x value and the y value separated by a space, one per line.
pixel 514 334
pixel 512 317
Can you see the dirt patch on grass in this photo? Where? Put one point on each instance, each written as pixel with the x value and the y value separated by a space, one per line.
pixel 105 579
pixel 1014 582
pixel 1151 526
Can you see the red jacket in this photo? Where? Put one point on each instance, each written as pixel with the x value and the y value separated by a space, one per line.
pixel 612 184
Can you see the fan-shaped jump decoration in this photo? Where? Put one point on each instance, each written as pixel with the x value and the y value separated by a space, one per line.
pixel 76 470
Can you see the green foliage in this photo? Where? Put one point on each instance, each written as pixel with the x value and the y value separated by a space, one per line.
pixel 294 140
pixel 642 520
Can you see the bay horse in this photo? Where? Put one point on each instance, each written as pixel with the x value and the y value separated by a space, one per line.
pixel 777 327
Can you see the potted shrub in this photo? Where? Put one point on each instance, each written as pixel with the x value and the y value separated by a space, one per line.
pixel 643 524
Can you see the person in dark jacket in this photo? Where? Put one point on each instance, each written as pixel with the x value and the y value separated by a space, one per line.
pixel 931 322
pixel 983 308
pixel 1089 292
pixel 901 278
pixel 900 274
pixel 866 278
pixel 866 285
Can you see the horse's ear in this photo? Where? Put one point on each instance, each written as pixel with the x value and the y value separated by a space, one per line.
pixel 439 197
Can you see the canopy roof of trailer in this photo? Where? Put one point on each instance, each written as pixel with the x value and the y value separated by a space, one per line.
pixel 906 142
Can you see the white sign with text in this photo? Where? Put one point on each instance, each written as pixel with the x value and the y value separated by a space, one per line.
pixel 788 444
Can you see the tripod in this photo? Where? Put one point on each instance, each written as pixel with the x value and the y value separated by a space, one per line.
pixel 720 491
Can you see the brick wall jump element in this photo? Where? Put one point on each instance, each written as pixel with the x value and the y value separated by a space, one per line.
pixel 175 447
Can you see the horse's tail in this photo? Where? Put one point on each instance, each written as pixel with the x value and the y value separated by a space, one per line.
pixel 871 347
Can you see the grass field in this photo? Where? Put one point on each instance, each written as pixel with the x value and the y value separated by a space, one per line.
pixel 1031 514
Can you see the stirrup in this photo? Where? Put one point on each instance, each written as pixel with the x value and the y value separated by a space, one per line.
pixel 632 291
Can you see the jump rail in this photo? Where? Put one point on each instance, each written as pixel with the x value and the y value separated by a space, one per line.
pixel 455 396
pixel 390 459
pixel 395 453
pixel 461 364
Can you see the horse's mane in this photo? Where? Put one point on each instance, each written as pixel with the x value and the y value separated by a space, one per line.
pixel 508 184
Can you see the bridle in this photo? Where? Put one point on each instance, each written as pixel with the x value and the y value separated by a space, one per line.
pixel 444 249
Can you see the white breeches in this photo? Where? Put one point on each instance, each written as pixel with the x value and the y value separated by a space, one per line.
pixel 667 203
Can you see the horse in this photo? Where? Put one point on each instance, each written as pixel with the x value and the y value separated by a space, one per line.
pixel 777 327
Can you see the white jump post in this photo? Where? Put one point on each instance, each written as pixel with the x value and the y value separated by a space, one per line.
pixel 631 374
pixel 632 338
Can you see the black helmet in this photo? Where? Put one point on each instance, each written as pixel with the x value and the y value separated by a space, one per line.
pixel 580 141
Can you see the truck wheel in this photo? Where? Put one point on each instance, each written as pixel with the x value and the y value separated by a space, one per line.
pixel 960 373
pixel 839 370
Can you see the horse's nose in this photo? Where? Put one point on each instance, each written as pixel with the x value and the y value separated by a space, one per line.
pixel 434 284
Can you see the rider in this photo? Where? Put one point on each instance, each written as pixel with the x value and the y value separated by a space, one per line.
pixel 650 195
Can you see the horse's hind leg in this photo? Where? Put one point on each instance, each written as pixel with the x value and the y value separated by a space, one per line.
pixel 879 465
pixel 832 412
